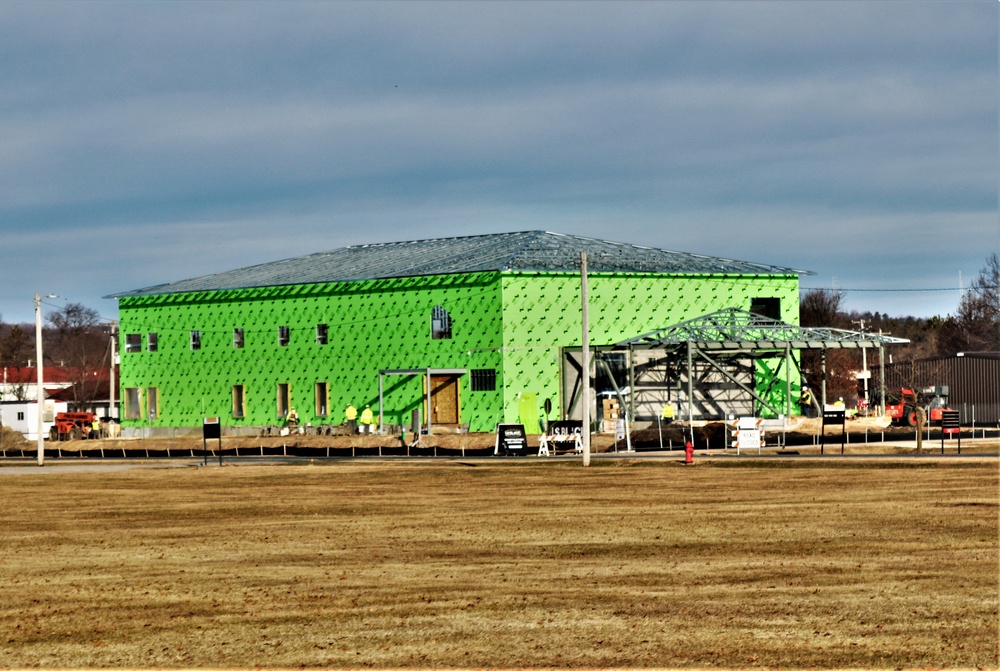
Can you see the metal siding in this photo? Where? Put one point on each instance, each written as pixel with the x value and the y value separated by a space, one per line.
pixel 973 383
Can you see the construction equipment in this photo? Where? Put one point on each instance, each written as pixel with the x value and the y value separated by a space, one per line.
pixel 74 426
pixel 901 406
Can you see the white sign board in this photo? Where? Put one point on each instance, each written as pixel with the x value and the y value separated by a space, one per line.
pixel 748 434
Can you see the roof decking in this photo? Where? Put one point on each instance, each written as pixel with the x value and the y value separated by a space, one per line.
pixel 738 330
pixel 527 251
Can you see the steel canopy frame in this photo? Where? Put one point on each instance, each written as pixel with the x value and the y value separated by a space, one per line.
pixel 415 371
pixel 734 333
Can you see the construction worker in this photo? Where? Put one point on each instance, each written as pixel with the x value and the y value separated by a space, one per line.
pixel 351 418
pixel 668 413
pixel 806 402
pixel 367 419
pixel 293 418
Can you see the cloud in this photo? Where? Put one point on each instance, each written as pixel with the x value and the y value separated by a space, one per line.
pixel 166 130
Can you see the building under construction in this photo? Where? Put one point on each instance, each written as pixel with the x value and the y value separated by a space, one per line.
pixel 466 331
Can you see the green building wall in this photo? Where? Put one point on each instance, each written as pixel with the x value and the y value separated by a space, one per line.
pixel 513 323
pixel 542 314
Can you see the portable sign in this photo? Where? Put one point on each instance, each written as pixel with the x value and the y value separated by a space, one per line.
pixel 510 439
pixel 748 434
pixel 566 429
pixel 566 434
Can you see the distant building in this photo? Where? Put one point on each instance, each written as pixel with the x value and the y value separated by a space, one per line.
pixel 972 378
pixel 468 331
pixel 19 383
pixel 22 416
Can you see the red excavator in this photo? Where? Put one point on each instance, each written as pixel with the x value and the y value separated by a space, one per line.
pixel 902 405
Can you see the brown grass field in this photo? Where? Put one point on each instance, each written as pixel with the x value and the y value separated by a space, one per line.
pixel 503 564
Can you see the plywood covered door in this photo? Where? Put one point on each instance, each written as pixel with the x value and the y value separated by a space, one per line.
pixel 444 400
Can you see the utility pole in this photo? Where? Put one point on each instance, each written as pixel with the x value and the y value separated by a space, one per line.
pixel 585 319
pixel 864 364
pixel 40 393
pixel 111 385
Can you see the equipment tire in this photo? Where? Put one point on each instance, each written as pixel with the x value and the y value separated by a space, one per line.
pixel 911 416
pixel 74 433
pixel 53 434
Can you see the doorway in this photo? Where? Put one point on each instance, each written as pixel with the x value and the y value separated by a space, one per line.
pixel 444 400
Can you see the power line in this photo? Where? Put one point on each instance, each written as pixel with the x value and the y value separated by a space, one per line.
pixel 845 290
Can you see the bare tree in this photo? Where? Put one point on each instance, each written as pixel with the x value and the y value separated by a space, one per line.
pixel 976 324
pixel 821 308
pixel 16 348
pixel 76 339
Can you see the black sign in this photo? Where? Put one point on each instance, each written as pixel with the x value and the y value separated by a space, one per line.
pixel 567 429
pixel 511 439
pixel 833 417
pixel 950 422
pixel 211 428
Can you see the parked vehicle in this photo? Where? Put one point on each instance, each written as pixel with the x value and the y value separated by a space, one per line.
pixel 74 426
pixel 902 405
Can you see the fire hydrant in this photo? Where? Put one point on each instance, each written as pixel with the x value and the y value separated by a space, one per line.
pixel 688 453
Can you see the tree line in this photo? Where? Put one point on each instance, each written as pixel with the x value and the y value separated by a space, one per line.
pixel 974 327
pixel 73 337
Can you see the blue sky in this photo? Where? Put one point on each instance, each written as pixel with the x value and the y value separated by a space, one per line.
pixel 143 143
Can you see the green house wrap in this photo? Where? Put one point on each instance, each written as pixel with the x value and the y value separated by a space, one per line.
pixel 477 323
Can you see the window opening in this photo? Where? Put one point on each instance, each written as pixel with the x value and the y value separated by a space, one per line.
pixel 283 399
pixel 282 336
pixel 322 399
pixel 151 342
pixel 133 407
pixel 239 401
pixel 133 342
pixel 484 379
pixel 766 307
pixel 195 339
pixel 321 334
pixel 237 338
pixel 440 323
pixel 152 403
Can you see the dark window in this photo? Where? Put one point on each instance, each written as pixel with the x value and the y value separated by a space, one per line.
pixel 321 334
pixel 133 342
pixel 440 323
pixel 283 336
pixel 20 416
pixel 151 342
pixel 766 307
pixel 484 379
pixel 237 338
pixel 195 339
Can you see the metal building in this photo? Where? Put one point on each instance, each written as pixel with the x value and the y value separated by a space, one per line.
pixel 972 378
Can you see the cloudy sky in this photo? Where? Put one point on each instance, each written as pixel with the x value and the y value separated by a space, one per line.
pixel 143 143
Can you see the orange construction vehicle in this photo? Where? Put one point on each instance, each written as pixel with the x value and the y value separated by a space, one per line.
pixel 73 426
pixel 902 405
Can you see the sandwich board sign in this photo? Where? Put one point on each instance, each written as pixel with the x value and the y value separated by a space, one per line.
pixel 510 439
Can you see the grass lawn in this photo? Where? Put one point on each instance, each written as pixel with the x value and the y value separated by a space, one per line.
pixel 503 564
